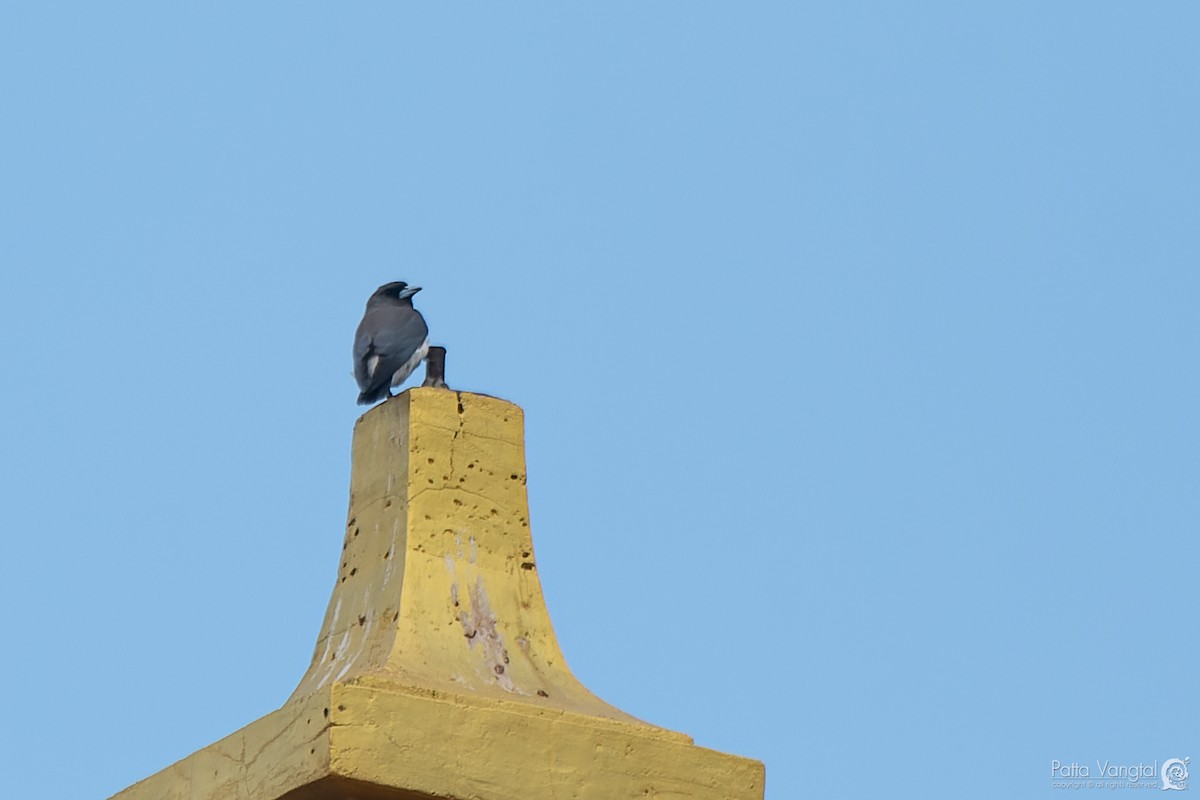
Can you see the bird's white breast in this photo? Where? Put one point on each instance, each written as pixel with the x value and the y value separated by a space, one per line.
pixel 399 375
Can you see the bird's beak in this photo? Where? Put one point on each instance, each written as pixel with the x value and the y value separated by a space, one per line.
pixel 408 292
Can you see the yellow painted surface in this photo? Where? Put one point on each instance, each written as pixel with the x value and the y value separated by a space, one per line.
pixel 436 671
pixel 268 758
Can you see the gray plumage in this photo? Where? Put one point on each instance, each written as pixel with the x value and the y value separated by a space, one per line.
pixel 391 341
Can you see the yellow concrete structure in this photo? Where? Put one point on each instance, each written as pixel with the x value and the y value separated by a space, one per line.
pixel 436 673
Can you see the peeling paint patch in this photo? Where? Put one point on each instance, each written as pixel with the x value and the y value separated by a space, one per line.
pixel 479 627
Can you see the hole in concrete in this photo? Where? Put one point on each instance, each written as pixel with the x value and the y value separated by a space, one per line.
pixel 527 565
pixel 327 713
pixel 542 693
pixel 499 668
pixel 361 620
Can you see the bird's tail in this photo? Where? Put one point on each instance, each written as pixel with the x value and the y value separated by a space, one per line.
pixel 372 395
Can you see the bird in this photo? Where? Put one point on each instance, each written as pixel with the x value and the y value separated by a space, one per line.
pixel 391 341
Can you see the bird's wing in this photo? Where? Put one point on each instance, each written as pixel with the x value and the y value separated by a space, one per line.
pixel 362 352
pixel 387 338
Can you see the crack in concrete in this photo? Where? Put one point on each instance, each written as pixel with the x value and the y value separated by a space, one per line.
pixel 451 488
pixel 250 761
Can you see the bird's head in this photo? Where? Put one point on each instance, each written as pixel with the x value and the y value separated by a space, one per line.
pixel 396 290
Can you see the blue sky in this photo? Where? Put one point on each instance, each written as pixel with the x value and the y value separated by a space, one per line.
pixel 857 344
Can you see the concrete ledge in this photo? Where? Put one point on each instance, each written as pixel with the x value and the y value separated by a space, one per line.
pixel 496 751
pixel 285 750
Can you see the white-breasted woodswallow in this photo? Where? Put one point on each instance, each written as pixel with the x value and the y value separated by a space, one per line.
pixel 391 341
